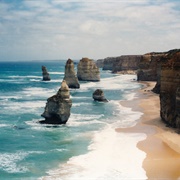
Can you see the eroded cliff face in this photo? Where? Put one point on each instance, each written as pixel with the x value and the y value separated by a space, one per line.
pixel 149 67
pixel 87 70
pixel 122 63
pixel 170 89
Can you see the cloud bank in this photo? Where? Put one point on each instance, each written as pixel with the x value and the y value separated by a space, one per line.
pixel 56 29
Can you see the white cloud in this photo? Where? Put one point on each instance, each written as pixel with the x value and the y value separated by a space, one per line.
pixel 97 29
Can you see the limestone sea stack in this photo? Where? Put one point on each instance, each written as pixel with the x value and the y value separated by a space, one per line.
pixel 98 95
pixel 87 70
pixel 45 74
pixel 57 110
pixel 70 75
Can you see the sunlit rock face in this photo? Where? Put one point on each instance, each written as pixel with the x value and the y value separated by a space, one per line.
pixel 87 70
pixel 57 110
pixel 70 75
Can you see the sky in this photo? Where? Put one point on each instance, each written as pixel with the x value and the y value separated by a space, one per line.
pixel 57 29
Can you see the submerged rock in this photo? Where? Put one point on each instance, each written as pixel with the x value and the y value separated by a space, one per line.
pixel 45 74
pixel 70 75
pixel 87 70
pixel 57 110
pixel 98 95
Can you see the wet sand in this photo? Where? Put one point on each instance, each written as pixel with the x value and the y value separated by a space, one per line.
pixel 162 145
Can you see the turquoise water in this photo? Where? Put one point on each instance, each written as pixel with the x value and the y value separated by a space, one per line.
pixel 29 150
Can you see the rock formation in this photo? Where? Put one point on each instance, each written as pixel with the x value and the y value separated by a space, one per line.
pixel 125 64
pixel 149 67
pixel 57 110
pixel 70 75
pixel 98 95
pixel 87 70
pixel 170 89
pixel 122 64
pixel 45 74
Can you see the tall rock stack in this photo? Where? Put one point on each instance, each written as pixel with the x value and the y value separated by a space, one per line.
pixel 170 89
pixel 45 74
pixel 87 70
pixel 57 110
pixel 70 75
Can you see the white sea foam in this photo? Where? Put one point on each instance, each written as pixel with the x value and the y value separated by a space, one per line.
pixel 22 107
pixel 37 91
pixel 116 83
pixel 56 73
pixel 111 155
pixel 8 162
pixel 3 125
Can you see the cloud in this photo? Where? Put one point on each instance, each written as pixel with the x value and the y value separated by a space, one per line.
pixel 61 29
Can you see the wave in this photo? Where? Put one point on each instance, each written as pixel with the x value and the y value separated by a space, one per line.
pixel 21 107
pixel 111 155
pixel 9 162
pixel 37 91
pixel 56 73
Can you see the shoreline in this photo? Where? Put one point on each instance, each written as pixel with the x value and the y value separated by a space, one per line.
pixel 162 145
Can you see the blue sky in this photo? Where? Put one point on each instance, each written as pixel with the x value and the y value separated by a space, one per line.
pixel 57 29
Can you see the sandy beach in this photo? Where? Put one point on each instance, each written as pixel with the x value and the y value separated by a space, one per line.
pixel 162 145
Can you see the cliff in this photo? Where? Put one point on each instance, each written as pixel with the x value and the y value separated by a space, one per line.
pixel 70 75
pixel 87 70
pixel 149 67
pixel 126 63
pixel 122 64
pixel 170 89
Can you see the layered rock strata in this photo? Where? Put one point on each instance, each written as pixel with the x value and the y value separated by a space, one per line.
pixel 149 67
pixel 70 75
pixel 98 95
pixel 87 70
pixel 57 110
pixel 122 64
pixel 170 89
pixel 45 74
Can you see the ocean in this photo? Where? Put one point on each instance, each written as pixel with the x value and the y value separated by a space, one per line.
pixel 87 147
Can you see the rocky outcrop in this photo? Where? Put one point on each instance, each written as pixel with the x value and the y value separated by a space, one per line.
pixel 57 110
pixel 170 89
pixel 70 75
pixel 87 70
pixel 98 95
pixel 45 74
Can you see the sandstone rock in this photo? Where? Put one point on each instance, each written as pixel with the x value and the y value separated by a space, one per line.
pixel 169 90
pixel 70 75
pixel 87 70
pixel 98 95
pixel 45 74
pixel 148 67
pixel 126 63
pixel 57 110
